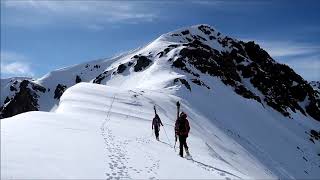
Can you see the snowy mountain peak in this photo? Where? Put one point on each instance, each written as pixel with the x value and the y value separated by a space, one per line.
pixel 186 57
pixel 191 32
pixel 234 93
pixel 202 32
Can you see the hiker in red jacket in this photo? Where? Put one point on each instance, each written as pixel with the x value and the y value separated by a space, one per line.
pixel 182 129
pixel 156 122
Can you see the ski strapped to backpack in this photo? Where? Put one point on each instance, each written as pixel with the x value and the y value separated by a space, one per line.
pixel 175 135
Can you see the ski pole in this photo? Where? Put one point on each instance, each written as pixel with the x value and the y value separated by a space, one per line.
pixel 167 136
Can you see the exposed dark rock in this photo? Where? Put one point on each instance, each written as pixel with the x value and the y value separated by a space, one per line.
pixel 121 68
pixel 175 35
pixel 247 71
pixel 142 63
pixel 12 88
pixel 184 82
pixel 78 79
pixel 101 77
pixel 244 92
pixel 173 46
pixel 200 83
pixel 6 100
pixel 314 133
pixel 255 53
pixel 166 50
pixel 315 85
pixel 130 64
pixel 212 37
pixel 185 32
pixel 197 37
pixel 281 87
pixel 161 53
pixel 179 63
pixel 59 91
pixel 188 39
pixel 204 29
pixel 313 110
pixel 37 87
pixel 23 101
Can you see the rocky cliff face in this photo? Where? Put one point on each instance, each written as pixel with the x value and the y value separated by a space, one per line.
pixel 248 69
pixel 25 98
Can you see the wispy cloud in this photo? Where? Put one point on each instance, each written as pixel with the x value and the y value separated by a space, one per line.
pixel 226 4
pixel 287 48
pixel 13 64
pixel 308 67
pixel 92 14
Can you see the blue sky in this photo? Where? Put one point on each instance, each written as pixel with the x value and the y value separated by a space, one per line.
pixel 40 36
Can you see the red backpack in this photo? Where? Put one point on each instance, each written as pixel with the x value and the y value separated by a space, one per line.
pixel 182 126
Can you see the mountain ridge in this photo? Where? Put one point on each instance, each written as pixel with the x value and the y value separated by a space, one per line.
pixel 249 115
pixel 203 49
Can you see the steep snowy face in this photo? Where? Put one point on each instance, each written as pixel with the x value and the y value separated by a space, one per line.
pixel 190 56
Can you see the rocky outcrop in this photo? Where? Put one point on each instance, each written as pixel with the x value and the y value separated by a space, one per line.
pixel 200 83
pixel 59 91
pixel 100 77
pixel 315 85
pixel 24 100
pixel 78 79
pixel 121 68
pixel 142 63
pixel 182 81
pixel 280 86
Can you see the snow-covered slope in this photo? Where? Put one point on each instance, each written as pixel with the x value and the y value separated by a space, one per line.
pixel 250 116
pixel 101 132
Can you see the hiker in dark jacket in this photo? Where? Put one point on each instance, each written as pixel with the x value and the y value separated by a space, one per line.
pixel 182 129
pixel 156 122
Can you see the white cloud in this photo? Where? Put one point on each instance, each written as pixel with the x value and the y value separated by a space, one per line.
pixel 279 49
pixel 206 3
pixel 32 12
pixel 13 64
pixel 286 48
pixel 307 67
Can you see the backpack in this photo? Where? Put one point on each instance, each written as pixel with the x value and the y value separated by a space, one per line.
pixel 182 126
pixel 156 122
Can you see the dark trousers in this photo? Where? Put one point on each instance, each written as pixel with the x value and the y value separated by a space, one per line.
pixel 156 131
pixel 183 143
